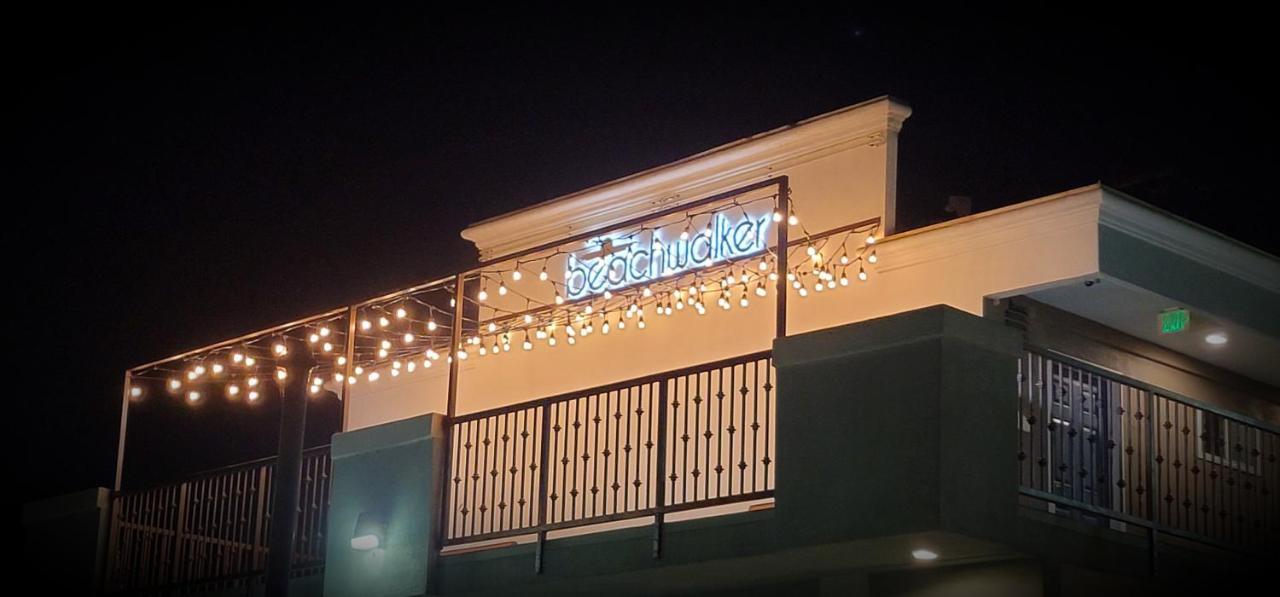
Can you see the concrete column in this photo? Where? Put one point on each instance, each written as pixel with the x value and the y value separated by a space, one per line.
pixel 908 427
pixel 65 541
pixel 390 472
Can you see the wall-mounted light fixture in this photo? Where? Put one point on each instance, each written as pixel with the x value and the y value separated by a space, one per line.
pixel 924 555
pixel 370 533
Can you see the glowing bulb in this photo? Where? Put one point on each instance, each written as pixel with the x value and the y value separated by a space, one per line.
pixel 408 338
pixel 280 349
pixel 253 396
pixel 760 289
pixel 315 390
pixel 192 375
pixel 777 216
pixel 373 376
pixel 483 295
pixel 411 366
pixel 237 357
pixel 1216 338
pixel 516 275
pixel 395 373
pixel 338 377
pixel 871 239
pixel 365 324
pixel 764 265
pixel 193 396
pixel 646 293
pixel 804 291
pixel 542 275
pixel 313 338
pixel 175 385
pixel 551 341
pixel 233 390
pixel 359 370
pixel 811 250
pixel 607 295
pixel 640 322
pixel 604 329
pixel 462 355
pixel 528 318
pixel 502 289
pixel 862 274
pixel 281 373
pixel 431 325
pixel 433 355
pixel 324 332
pixel 135 391
pixel 251 382
pixel 793 220
pixel 200 369
pixel 872 257
pixel 559 299
pixel 844 280
pixel 527 344
pixel 383 322
pixel 249 361
pixel 401 313
pixel 327 347
pixel 342 360
pixel 216 368
pixel 571 340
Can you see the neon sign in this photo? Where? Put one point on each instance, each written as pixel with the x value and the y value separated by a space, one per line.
pixel 620 265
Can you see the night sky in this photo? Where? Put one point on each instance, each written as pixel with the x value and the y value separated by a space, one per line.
pixel 183 179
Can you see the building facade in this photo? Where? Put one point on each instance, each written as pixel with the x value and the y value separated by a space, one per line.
pixel 734 374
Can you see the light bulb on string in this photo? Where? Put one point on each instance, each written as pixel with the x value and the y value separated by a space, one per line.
pixel 313 338
pixel 365 324
pixel 862 274
pixel 431 325
pixel 175 385
pixel 327 347
pixel 282 373
pixel 233 390
pixel 483 295
pixel 237 357
pixel 408 338
pixel 383 322
pixel 516 275
pixel 325 331
pixel 640 322
pixel 502 288
pixel 760 289
pixel 251 382
pixel 793 220
pixel 542 275
pixel 253 395
pixel 342 360
pixel 527 345
pixel 401 313
pixel 872 257
pixel 135 392
pixel 777 216
pixel 193 396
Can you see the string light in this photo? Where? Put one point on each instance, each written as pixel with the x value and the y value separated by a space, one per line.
pixel 539 319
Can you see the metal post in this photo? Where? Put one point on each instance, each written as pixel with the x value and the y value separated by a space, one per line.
pixel 544 441
pixel 660 492
pixel 451 408
pixel 124 429
pixel 350 353
pixel 784 206
pixel 288 475
pixel 1151 482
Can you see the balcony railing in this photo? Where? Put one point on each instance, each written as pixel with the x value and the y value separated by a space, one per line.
pixel 685 439
pixel 213 527
pixel 1130 452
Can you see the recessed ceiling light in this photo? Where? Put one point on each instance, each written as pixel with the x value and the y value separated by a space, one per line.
pixel 924 554
pixel 1216 338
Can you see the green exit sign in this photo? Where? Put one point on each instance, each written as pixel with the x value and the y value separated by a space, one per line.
pixel 1173 321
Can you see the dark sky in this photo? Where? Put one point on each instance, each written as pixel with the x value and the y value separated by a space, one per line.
pixel 183 179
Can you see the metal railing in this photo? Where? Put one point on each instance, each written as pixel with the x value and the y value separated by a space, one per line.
pixel 212 527
pixel 690 438
pixel 1123 449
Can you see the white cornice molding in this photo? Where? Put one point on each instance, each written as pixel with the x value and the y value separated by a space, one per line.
pixel 1182 237
pixel 754 158
pixel 1077 208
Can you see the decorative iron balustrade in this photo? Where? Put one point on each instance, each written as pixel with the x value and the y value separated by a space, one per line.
pixel 1135 453
pixel 691 438
pixel 213 527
